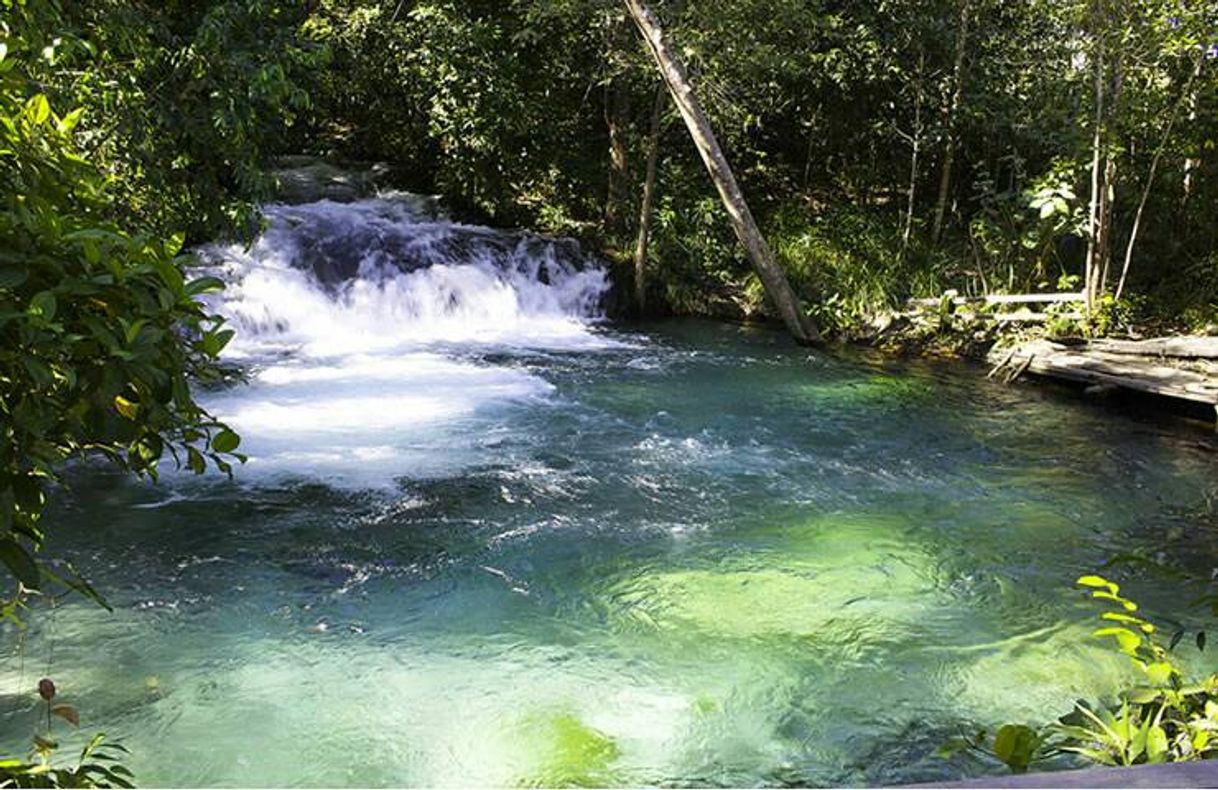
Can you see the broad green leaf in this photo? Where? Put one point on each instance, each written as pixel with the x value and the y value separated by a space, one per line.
pixel 225 441
pixel 195 461
pixel 70 121
pixel 20 563
pixel 1016 745
pixel 1160 673
pixel 1098 581
pixel 44 304
pixel 38 109
pixel 1156 744
pixel 1128 641
pixel 204 285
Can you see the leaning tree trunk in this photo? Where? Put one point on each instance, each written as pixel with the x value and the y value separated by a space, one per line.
pixel 649 189
pixel 771 274
pixel 1150 177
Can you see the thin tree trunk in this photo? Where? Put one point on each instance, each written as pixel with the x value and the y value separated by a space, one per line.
pixel 915 142
pixel 1108 198
pixel 1093 212
pixel 771 274
pixel 953 108
pixel 1191 164
pixel 617 119
pixel 649 183
pixel 1150 177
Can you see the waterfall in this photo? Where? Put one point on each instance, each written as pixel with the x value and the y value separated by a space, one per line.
pixel 366 328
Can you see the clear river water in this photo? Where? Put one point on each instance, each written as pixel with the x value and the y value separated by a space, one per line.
pixel 486 538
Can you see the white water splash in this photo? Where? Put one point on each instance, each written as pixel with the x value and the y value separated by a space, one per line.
pixel 359 319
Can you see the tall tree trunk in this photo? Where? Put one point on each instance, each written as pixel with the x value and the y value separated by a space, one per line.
pixel 1110 181
pixel 1187 96
pixel 953 108
pixel 1091 270
pixel 649 188
pixel 1191 164
pixel 771 274
pixel 617 120
pixel 1104 247
pixel 915 143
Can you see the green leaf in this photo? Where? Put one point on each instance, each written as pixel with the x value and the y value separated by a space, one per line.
pixel 1128 641
pixel 38 109
pixel 1129 605
pixel 225 441
pixel 13 276
pixel 126 408
pixel 20 563
pixel 1098 581
pixel 43 304
pixel 1160 673
pixel 1016 745
pixel 204 285
pixel 1156 744
pixel 1142 695
pixel 74 581
pixel 69 121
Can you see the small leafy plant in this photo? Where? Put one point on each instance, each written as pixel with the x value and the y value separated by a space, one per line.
pixel 99 764
pixel 1165 718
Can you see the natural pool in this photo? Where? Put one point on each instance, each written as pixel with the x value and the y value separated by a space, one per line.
pixel 526 550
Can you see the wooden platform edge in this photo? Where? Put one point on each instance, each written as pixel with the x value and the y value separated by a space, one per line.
pixel 1100 365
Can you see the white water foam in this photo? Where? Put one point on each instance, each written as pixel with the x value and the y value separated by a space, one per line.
pixel 358 321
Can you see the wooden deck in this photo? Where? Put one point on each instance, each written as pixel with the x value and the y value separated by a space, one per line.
pixel 1185 368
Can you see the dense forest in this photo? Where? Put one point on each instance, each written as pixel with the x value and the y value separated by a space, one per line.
pixel 888 149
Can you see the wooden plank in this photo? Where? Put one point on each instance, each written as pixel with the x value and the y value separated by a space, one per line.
pixel 1178 347
pixel 1144 374
pixel 994 299
pixel 1020 316
pixel 1016 317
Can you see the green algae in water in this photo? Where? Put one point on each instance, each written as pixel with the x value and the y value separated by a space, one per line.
pixel 805 580
pixel 566 752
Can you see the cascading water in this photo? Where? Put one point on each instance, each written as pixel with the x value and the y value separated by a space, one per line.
pixel 366 328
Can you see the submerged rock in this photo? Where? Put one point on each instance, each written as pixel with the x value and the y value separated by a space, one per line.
pixel 304 179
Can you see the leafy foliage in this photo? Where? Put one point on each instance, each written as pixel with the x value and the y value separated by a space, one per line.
pixel 101 331
pixel 506 109
pixel 1166 718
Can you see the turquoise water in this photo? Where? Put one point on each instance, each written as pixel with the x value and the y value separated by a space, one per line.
pixel 485 540
pixel 704 557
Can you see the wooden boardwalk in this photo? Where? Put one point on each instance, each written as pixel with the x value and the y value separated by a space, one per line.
pixel 1185 368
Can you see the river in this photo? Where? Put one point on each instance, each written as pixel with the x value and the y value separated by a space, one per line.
pixel 485 537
